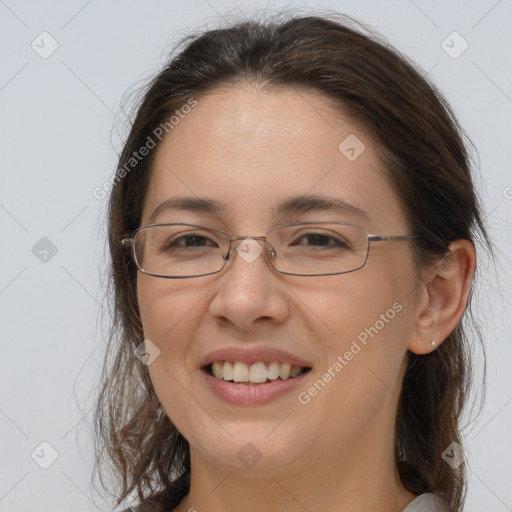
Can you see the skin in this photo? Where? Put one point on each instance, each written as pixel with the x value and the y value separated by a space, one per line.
pixel 250 148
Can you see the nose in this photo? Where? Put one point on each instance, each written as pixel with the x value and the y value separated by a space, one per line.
pixel 250 247
pixel 250 290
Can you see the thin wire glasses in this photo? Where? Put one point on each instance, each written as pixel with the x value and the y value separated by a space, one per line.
pixel 182 250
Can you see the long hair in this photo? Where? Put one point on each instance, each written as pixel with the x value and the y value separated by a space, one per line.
pixel 426 160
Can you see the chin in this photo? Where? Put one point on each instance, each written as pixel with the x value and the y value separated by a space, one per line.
pixel 251 450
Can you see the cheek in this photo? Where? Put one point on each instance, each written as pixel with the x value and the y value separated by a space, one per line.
pixel 170 312
pixel 365 319
pixel 368 339
pixel 360 305
pixel 359 382
pixel 167 306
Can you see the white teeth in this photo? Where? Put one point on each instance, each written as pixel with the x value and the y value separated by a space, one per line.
pixel 240 372
pixel 273 370
pixel 284 371
pixel 217 369
pixel 256 373
pixel 227 371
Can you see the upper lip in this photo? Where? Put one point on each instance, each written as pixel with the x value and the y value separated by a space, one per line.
pixel 254 355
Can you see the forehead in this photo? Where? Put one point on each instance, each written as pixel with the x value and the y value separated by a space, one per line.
pixel 251 149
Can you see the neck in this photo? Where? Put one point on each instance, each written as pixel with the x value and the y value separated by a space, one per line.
pixel 348 480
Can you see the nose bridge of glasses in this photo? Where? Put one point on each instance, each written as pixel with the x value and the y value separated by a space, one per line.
pixel 236 240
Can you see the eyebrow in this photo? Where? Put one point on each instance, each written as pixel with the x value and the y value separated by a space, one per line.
pixel 291 205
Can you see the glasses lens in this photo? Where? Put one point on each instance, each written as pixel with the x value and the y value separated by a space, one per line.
pixel 180 250
pixel 320 248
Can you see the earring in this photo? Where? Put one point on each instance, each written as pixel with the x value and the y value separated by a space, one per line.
pixel 433 342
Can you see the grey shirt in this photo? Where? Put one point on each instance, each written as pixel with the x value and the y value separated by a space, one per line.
pixel 426 503
pixel 423 503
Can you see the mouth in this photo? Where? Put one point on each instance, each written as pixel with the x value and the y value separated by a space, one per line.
pixel 256 374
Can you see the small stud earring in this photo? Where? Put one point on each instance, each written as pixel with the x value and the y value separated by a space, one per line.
pixel 433 342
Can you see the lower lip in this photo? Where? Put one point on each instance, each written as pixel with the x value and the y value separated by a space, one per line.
pixel 247 394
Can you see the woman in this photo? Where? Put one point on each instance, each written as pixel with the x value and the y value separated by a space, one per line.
pixel 292 230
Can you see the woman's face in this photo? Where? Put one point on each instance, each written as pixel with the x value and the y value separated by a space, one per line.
pixel 251 150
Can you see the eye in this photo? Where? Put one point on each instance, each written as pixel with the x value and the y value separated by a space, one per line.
pixel 322 240
pixel 189 240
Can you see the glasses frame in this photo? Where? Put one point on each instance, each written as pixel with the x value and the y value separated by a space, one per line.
pixel 270 252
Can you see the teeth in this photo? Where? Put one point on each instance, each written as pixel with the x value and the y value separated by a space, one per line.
pixel 240 372
pixel 294 371
pixel 227 371
pixel 217 369
pixel 284 371
pixel 273 370
pixel 256 373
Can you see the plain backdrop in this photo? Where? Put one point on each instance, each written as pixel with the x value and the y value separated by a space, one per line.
pixel 59 120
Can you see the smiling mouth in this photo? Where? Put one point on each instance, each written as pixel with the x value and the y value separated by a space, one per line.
pixel 253 374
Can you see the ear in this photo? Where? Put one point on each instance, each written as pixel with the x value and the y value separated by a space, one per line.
pixel 443 297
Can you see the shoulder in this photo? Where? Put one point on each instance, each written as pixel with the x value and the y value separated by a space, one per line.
pixel 427 503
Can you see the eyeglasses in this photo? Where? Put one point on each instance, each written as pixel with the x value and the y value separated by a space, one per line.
pixel 182 250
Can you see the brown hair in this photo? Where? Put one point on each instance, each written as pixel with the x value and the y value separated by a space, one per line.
pixel 424 152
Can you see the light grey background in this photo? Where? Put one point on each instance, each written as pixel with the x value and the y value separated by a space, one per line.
pixel 56 119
